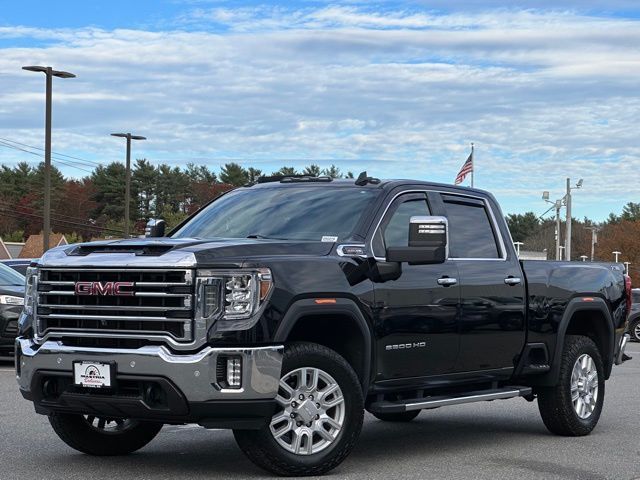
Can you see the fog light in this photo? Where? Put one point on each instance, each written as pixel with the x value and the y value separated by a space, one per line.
pixel 234 372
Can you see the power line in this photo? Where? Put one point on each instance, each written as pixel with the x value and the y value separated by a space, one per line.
pixel 53 212
pixel 53 153
pixel 16 215
pixel 57 160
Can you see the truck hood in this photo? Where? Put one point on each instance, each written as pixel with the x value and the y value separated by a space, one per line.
pixel 179 252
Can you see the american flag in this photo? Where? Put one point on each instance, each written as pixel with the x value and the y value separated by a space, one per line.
pixel 467 168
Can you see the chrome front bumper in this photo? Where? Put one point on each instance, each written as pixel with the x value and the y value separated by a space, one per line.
pixel 193 374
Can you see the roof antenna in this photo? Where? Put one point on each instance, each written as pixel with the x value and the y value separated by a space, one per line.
pixel 363 179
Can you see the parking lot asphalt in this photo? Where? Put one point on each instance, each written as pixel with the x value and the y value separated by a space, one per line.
pixel 503 439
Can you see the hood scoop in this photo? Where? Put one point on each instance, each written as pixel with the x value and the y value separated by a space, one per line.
pixel 149 250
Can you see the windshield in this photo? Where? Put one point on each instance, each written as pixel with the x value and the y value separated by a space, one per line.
pixel 9 277
pixel 290 213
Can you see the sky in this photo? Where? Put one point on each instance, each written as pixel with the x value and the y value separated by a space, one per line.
pixel 545 90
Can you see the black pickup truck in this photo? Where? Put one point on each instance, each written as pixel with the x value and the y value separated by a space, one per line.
pixel 285 309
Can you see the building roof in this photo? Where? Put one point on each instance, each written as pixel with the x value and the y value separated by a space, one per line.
pixel 33 246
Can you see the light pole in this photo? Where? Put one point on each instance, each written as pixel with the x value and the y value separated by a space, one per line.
pixel 557 205
pixel 561 252
pixel 584 258
pixel 127 188
pixel 617 254
pixel 567 237
pixel 49 74
pixel 594 238
pixel 518 245
pixel 626 267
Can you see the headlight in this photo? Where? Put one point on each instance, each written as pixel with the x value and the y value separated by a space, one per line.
pixel 31 290
pixel 11 300
pixel 232 298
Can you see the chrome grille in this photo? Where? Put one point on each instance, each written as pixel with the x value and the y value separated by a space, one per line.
pixel 159 303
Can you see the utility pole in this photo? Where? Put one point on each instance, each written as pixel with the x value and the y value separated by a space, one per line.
pixel 127 187
pixel 617 254
pixel 567 239
pixel 594 238
pixel 49 74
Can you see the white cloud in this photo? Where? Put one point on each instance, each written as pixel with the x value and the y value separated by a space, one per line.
pixel 544 94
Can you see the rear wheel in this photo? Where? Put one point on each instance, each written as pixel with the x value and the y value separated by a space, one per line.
pixel 397 417
pixel 318 417
pixel 103 436
pixel 573 407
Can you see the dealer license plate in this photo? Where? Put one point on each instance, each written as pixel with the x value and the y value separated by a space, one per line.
pixel 92 374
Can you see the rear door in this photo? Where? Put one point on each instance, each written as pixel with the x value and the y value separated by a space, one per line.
pixel 416 327
pixel 492 326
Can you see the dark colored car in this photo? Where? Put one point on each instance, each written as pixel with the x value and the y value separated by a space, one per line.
pixel 11 303
pixel 634 316
pixel 20 265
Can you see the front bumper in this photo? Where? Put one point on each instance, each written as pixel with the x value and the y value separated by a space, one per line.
pixel 187 385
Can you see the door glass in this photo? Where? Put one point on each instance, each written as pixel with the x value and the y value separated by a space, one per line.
pixel 470 231
pixel 396 233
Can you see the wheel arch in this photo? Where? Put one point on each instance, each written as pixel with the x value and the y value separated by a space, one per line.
pixel 309 321
pixel 589 318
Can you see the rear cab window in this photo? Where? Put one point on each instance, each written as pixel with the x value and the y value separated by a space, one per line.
pixel 471 231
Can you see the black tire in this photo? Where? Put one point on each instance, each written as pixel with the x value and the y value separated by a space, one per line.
pixel 555 403
pixel 84 434
pixel 262 448
pixel 635 335
pixel 397 417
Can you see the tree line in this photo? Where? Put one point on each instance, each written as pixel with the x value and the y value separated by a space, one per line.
pixel 93 206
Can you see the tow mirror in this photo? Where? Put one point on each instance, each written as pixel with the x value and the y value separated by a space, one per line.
pixel 155 228
pixel 428 242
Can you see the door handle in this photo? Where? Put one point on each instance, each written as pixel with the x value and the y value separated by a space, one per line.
pixel 447 281
pixel 513 280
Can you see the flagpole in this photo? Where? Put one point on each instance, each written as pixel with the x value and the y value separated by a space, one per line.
pixel 473 166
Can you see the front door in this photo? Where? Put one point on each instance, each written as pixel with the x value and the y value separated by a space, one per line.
pixel 417 316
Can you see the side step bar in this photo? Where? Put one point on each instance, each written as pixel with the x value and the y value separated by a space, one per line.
pixel 442 401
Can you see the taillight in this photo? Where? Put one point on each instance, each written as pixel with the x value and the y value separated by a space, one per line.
pixel 627 289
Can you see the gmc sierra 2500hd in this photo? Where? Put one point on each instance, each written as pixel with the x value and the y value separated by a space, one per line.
pixel 285 309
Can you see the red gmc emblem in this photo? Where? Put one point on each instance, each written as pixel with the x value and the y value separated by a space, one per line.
pixel 103 288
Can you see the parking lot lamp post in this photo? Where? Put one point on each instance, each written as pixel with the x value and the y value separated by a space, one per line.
pixel 584 258
pixel 49 74
pixel 127 183
pixel 617 254
pixel 626 267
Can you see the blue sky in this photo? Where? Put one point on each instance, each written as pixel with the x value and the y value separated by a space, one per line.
pixel 397 88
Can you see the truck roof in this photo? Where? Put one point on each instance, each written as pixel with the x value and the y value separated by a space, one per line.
pixel 385 184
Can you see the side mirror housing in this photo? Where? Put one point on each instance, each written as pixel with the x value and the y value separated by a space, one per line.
pixel 155 228
pixel 428 242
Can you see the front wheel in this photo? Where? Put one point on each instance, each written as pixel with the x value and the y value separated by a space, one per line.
pixel 573 407
pixel 318 417
pixel 103 436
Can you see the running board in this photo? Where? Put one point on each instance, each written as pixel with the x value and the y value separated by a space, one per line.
pixel 445 400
